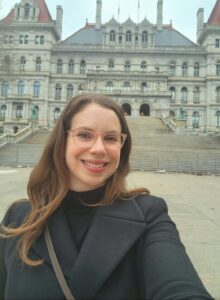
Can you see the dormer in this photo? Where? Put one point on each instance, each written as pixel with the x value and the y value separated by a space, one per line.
pixel 128 23
pixel 27 10
pixel 112 23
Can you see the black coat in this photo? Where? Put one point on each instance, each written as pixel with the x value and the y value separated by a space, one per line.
pixel 131 251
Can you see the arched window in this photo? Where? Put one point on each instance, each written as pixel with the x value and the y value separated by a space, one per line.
pixel 111 65
pixel 109 86
pixel 195 119
pixel 56 113
pixel 172 68
pixel 82 67
pixel 36 89
pixel 26 10
pixel 5 87
pixel 196 93
pixel 126 107
pixel 196 69
pixel 184 69
pixel 58 90
pixel 218 68
pixel 184 95
pixel 22 63
pixel 81 88
pixel 173 93
pixel 21 88
pixel 128 37
pixel 143 66
pixel 126 86
pixel 218 94
pixel 71 66
pixel 38 64
pixel 112 36
pixel 127 66
pixel 69 93
pixel 3 111
pixel 143 86
pixel 144 37
pixel 19 111
pixel 59 66
pixel 5 66
pixel 218 118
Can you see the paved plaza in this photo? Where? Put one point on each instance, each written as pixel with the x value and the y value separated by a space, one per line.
pixel 193 201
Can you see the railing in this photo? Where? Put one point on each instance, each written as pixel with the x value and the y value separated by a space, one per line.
pixel 168 122
pixel 14 138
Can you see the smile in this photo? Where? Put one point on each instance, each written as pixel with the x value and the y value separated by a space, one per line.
pixel 94 164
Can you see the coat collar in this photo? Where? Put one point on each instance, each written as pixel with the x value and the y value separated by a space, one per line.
pixel 113 231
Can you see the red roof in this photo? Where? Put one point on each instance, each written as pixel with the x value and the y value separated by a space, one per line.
pixel 44 15
pixel 214 18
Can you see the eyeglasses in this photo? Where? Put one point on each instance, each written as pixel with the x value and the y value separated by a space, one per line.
pixel 87 138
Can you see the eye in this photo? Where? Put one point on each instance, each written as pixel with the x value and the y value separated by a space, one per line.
pixel 111 138
pixel 84 135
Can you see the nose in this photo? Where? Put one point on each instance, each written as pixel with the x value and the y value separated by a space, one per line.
pixel 98 146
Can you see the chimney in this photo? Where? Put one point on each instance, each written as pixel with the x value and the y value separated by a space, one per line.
pixel 98 14
pixel 160 15
pixel 59 19
pixel 200 22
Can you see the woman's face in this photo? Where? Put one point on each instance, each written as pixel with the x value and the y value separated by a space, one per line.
pixel 92 155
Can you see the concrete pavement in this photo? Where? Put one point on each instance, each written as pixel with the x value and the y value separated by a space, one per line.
pixel 193 201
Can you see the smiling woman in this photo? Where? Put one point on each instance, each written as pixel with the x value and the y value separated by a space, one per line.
pixel 81 224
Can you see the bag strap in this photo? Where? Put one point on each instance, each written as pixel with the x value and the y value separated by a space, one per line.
pixel 56 266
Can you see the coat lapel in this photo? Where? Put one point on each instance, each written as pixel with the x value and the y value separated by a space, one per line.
pixel 112 233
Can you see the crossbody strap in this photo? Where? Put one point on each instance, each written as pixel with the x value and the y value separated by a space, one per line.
pixel 56 266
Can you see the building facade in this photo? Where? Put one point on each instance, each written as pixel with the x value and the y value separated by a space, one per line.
pixel 149 69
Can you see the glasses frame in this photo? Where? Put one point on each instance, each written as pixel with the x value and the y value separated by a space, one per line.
pixel 96 133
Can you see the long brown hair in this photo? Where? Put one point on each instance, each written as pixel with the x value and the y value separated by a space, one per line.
pixel 49 180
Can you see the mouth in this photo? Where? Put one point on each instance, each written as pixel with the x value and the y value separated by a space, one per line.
pixel 97 164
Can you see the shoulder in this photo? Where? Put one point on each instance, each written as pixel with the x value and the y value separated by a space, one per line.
pixel 151 206
pixel 16 213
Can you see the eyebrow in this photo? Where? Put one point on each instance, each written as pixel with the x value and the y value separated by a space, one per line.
pixel 89 129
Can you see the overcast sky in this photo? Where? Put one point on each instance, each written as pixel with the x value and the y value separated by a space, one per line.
pixel 181 12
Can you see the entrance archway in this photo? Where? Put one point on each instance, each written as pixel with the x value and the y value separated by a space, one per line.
pixel 126 108
pixel 144 110
pixel 15 129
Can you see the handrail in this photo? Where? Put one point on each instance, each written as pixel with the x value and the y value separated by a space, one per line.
pixel 15 137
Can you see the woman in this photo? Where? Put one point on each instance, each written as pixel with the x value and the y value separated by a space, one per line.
pixel 110 243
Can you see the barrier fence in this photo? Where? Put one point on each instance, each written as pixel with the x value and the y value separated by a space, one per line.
pixel 141 159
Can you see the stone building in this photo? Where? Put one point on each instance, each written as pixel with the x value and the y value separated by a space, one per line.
pixel 149 69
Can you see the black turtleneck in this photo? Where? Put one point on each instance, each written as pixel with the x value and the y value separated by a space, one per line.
pixel 78 212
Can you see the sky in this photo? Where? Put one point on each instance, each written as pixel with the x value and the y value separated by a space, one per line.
pixel 181 12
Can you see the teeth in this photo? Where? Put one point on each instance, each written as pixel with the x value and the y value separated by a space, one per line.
pixel 94 165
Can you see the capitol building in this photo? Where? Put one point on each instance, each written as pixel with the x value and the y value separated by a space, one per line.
pixel 149 69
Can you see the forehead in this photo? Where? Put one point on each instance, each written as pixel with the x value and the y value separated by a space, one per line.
pixel 96 117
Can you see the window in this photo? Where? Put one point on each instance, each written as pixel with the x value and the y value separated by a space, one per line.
pixel 126 86
pixel 19 111
pixel 136 39
pixel 71 67
pixel 143 66
pixel 128 37
pixel 56 113
pixel 111 65
pixel 143 86
pixel 112 36
pixel 8 39
pixel 195 119
pixel 26 10
pixel 3 111
pixel 172 68
pixel 58 90
pixel 109 86
pixel 11 38
pixel 218 68
pixel 21 39
pixel 196 69
pixel 144 38
pixel 120 39
pixel 82 67
pixel 5 87
pixel 218 118
pixel 26 39
pixel 38 64
pixel 81 88
pixel 36 89
pixel 184 69
pixel 21 88
pixel 218 94
pixel 69 93
pixel 59 66
pixel 127 66
pixel 42 39
pixel 22 63
pixel 184 95
pixel 217 43
pixel 173 93
pixel 196 93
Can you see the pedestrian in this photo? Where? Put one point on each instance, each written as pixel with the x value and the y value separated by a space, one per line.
pixel 82 234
